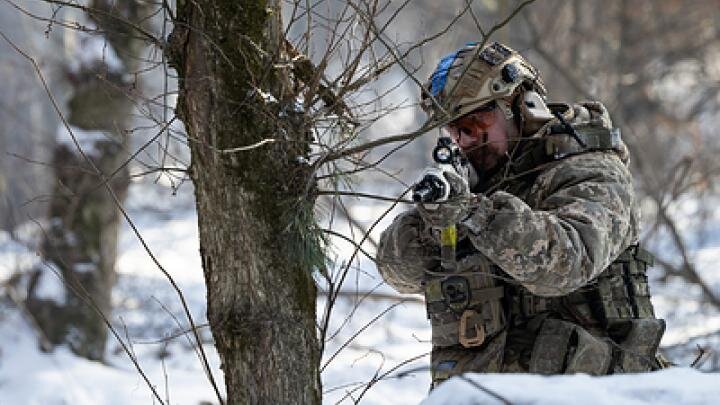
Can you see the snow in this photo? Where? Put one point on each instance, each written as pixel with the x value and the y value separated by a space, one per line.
pixel 267 97
pixel 90 51
pixel 680 303
pixel 671 386
pixel 28 376
pixel 85 267
pixel 87 140
pixel 49 286
pixel 14 257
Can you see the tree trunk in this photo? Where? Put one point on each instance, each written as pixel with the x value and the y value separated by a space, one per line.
pixel 81 246
pixel 256 225
pixel 84 220
pixel 28 122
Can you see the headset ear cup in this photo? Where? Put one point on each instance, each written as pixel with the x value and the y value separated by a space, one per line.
pixel 534 111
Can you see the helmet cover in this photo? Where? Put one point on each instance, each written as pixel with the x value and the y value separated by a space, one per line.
pixel 471 77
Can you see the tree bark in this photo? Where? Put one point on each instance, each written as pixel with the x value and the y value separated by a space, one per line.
pixel 257 237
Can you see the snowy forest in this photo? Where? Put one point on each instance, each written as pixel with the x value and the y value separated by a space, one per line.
pixel 192 193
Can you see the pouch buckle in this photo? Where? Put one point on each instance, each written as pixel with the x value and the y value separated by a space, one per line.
pixel 456 292
pixel 467 341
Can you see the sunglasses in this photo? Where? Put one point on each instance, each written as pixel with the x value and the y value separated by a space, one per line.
pixel 483 117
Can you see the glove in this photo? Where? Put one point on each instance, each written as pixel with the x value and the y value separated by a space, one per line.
pixel 406 251
pixel 443 214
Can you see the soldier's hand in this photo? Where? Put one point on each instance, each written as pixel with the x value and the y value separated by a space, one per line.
pixel 443 214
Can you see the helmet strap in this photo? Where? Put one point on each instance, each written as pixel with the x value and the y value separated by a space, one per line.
pixel 506 108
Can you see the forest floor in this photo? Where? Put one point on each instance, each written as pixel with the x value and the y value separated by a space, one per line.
pixel 374 361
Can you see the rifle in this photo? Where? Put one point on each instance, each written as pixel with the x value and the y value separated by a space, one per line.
pixel 434 189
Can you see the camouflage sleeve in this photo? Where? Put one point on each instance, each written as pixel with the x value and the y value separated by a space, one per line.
pixel 584 215
pixel 405 251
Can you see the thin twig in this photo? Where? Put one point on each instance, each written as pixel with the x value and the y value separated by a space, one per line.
pixel 485 390
pixel 701 357
pixel 358 332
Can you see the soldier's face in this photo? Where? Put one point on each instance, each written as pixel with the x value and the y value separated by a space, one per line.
pixel 483 136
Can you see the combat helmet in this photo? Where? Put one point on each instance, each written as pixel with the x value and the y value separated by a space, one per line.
pixel 473 76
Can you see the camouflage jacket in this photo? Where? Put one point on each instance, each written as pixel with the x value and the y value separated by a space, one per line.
pixel 552 231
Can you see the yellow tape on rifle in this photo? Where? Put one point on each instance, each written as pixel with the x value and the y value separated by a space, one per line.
pixel 448 236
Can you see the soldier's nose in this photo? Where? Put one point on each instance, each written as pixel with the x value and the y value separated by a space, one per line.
pixel 468 141
pixel 465 140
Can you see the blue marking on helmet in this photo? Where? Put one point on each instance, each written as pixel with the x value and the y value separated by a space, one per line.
pixel 439 76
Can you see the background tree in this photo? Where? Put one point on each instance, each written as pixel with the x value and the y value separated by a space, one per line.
pixel 80 243
pixel 27 122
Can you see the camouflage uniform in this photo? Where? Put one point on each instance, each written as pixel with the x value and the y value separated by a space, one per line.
pixel 549 277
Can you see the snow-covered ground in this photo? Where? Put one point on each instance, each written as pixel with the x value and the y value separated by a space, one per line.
pixel 375 364
pixel 28 376
pixel 672 386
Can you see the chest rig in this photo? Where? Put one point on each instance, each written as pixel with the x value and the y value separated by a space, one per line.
pixel 478 301
pixel 471 306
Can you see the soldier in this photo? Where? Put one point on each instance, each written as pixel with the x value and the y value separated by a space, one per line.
pixel 548 276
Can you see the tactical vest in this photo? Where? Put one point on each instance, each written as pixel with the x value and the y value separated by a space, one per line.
pixel 469 308
pixel 480 302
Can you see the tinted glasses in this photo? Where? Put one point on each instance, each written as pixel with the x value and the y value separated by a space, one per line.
pixel 483 118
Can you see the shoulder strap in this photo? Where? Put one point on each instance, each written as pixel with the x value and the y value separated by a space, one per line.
pixel 576 129
pixel 586 138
